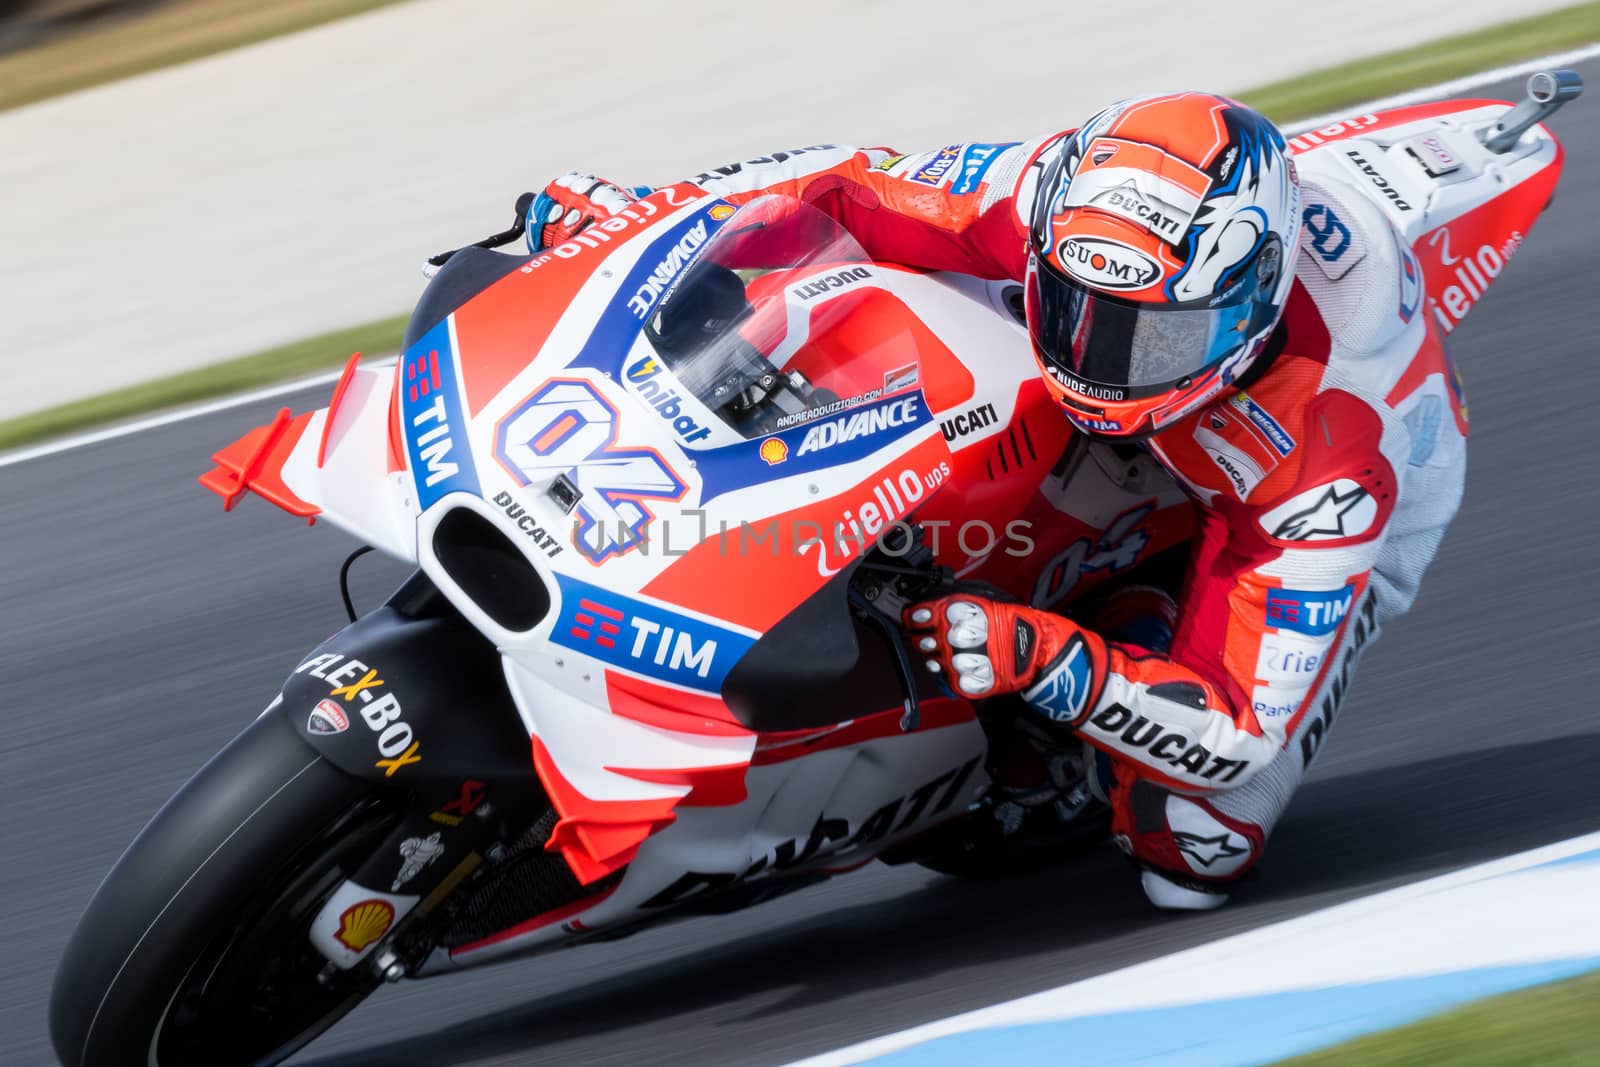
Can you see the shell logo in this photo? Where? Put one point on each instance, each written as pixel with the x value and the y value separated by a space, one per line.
pixel 362 924
pixel 774 451
pixel 722 211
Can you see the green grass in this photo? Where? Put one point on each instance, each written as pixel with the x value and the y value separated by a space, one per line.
pixel 220 379
pixel 1453 57
pixel 173 33
pixel 205 31
pixel 1554 1025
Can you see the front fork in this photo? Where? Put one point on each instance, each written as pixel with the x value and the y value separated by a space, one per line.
pixel 411 698
pixel 383 909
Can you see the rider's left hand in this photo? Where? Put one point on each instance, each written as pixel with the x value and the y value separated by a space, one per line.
pixel 569 204
pixel 987 648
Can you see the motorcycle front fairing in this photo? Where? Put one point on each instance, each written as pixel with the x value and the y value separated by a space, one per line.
pixel 717 485
pixel 561 424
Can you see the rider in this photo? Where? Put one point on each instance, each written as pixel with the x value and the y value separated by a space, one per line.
pixel 1281 373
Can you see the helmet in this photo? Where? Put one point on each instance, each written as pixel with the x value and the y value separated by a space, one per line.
pixel 1160 257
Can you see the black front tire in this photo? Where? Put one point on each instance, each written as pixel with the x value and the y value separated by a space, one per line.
pixel 169 963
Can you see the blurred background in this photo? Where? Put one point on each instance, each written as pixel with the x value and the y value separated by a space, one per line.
pixel 216 177
pixel 33 22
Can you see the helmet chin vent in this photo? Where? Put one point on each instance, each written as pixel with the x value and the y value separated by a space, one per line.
pixel 1085 408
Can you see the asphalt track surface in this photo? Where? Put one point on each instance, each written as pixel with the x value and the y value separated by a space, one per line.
pixel 143 628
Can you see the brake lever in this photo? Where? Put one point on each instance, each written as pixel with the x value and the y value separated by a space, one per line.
pixel 494 240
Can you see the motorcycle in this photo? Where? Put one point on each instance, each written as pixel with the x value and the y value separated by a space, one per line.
pixel 667 488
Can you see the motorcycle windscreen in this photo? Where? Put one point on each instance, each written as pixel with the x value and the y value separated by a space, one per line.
pixel 777 321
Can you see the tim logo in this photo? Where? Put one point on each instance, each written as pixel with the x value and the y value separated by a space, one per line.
pixel 430 419
pixel 595 622
pixel 567 427
pixel 437 449
pixel 646 638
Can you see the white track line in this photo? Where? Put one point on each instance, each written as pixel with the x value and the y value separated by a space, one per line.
pixel 1450 88
pixel 94 437
pixel 1273 959
pixel 1447 88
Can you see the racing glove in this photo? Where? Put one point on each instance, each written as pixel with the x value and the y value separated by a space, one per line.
pixel 570 203
pixel 988 648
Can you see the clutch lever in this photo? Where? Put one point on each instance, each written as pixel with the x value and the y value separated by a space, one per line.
pixel 911 703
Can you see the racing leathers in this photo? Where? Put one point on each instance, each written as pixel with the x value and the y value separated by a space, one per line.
pixel 1323 488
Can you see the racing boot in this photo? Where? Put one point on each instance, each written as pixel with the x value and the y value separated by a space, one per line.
pixel 1170 894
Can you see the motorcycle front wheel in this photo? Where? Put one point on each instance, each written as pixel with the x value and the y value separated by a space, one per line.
pixel 193 951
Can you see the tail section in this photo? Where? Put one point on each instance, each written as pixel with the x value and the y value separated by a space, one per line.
pixel 1462 180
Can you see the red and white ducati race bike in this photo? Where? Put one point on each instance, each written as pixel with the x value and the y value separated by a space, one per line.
pixel 666 488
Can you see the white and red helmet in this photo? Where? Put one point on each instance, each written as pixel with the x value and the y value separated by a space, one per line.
pixel 1161 255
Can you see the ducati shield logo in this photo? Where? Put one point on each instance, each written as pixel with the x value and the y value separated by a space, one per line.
pixel 327 718
pixel 1107 264
pixel 901 378
pixel 358 686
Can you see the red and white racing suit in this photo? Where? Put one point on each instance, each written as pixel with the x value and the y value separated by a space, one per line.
pixel 1323 490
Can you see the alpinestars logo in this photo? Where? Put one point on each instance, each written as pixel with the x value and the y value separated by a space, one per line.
pixel 1207 850
pixel 1063 692
pixel 1336 511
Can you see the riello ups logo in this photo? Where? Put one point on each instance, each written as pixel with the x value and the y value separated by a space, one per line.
pixel 1464 273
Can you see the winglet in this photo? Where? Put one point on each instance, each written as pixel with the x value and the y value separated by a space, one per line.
pixel 333 406
pixel 254 463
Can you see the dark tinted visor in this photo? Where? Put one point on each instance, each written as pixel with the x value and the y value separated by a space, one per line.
pixel 1142 349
